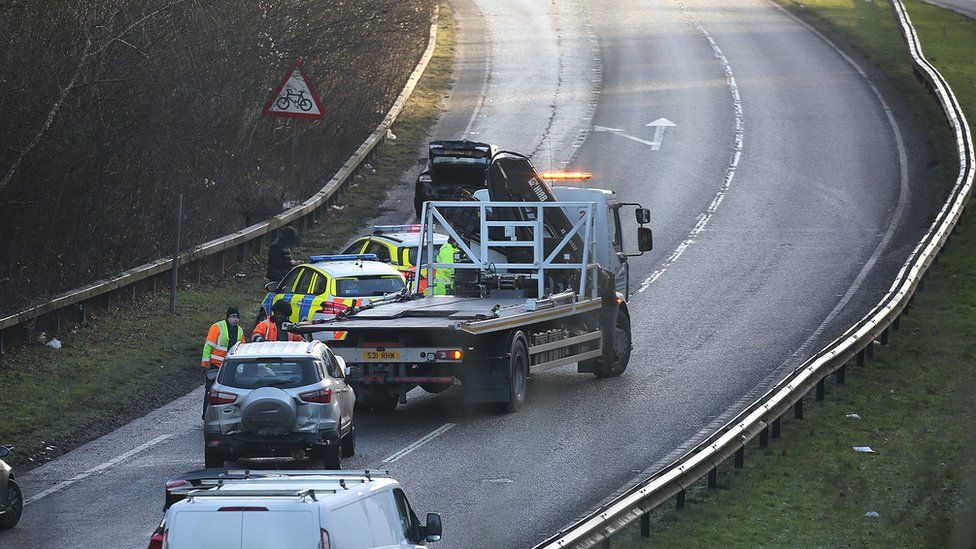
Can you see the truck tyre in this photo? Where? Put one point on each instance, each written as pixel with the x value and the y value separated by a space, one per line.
pixel 382 402
pixel 616 347
pixel 518 373
pixel 212 459
pixel 349 443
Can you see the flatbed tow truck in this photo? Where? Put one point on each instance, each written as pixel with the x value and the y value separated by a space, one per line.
pixel 540 281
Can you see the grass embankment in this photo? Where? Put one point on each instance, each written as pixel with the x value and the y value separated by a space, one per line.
pixel 916 402
pixel 122 364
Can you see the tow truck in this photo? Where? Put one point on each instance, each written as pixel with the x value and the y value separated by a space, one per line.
pixel 541 280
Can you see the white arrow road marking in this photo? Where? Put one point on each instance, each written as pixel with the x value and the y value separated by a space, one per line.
pixel 420 442
pixel 659 126
pixel 101 467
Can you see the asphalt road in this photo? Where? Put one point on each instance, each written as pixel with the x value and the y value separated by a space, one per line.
pixel 965 7
pixel 781 207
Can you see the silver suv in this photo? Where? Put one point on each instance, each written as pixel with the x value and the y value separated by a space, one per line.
pixel 280 399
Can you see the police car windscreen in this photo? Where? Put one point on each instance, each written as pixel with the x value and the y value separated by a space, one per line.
pixel 254 374
pixel 412 254
pixel 368 286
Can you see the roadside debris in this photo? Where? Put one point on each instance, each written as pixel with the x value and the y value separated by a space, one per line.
pixel 852 415
pixel 872 514
pixel 863 449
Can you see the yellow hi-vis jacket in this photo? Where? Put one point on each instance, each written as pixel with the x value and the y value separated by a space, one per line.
pixel 444 276
pixel 218 344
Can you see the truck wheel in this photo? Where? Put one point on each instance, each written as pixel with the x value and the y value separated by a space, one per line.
pixel 14 504
pixel 616 348
pixel 518 369
pixel 382 402
pixel 212 459
pixel 349 443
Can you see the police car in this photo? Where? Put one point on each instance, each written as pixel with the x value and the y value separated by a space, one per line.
pixel 329 284
pixel 397 245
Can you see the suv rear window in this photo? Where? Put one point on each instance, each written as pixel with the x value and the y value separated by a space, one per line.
pixel 368 286
pixel 254 374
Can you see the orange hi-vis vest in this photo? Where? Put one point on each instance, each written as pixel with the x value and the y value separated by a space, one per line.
pixel 218 344
pixel 269 332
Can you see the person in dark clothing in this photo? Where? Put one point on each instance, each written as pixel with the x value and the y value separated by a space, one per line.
pixel 279 254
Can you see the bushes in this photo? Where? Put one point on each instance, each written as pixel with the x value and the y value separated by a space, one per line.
pixel 112 106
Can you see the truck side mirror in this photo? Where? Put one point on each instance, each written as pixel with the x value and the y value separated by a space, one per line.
pixel 645 239
pixel 432 532
pixel 643 215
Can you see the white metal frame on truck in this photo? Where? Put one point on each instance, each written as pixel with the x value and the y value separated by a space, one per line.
pixel 432 216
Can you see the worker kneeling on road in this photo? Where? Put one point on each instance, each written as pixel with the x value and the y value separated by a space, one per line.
pixel 221 338
pixel 444 276
pixel 269 329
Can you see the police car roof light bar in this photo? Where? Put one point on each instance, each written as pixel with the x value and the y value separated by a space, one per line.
pixel 381 229
pixel 341 257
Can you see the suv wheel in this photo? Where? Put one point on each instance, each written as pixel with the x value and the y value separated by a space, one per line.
pixel 212 459
pixel 349 443
pixel 330 458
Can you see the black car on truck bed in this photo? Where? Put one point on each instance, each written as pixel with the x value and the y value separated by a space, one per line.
pixel 452 166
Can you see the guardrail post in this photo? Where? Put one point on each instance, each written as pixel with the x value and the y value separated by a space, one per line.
pixel 798 409
pixel 896 323
pixel 764 437
pixel 645 525
pixel 860 357
pixel 713 478
pixel 841 374
pixel 819 394
pixel 740 456
pixel 870 350
pixel 776 427
pixel 884 337
pixel 680 501
pixel 604 543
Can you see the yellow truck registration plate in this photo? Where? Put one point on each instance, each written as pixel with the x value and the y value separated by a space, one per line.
pixel 381 355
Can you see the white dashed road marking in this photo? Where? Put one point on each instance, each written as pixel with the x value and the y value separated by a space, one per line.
pixel 419 442
pixel 706 216
pixel 101 467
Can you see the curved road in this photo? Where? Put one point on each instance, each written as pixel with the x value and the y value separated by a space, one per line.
pixel 781 208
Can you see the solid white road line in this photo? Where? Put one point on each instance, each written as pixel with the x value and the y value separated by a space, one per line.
pixel 801 353
pixel 419 442
pixel 101 467
pixel 706 216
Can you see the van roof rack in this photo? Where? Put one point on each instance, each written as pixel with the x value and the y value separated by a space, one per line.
pixel 211 493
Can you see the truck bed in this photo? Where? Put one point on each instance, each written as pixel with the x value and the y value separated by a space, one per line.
pixel 469 314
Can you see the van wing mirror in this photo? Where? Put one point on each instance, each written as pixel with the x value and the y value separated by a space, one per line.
pixel 433 530
pixel 645 239
pixel 643 215
pixel 272 286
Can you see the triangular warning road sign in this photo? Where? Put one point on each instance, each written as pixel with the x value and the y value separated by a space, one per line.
pixel 294 96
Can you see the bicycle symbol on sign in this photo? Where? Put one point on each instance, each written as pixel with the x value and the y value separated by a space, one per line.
pixel 292 97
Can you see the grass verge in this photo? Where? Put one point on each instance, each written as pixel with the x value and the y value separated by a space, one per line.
pixel 916 404
pixel 121 365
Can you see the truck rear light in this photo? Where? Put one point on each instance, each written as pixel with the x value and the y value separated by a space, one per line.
pixel 325 539
pixel 235 508
pixel 217 397
pixel 452 354
pixel 322 396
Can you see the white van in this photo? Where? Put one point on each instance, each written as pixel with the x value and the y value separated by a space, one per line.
pixel 295 510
